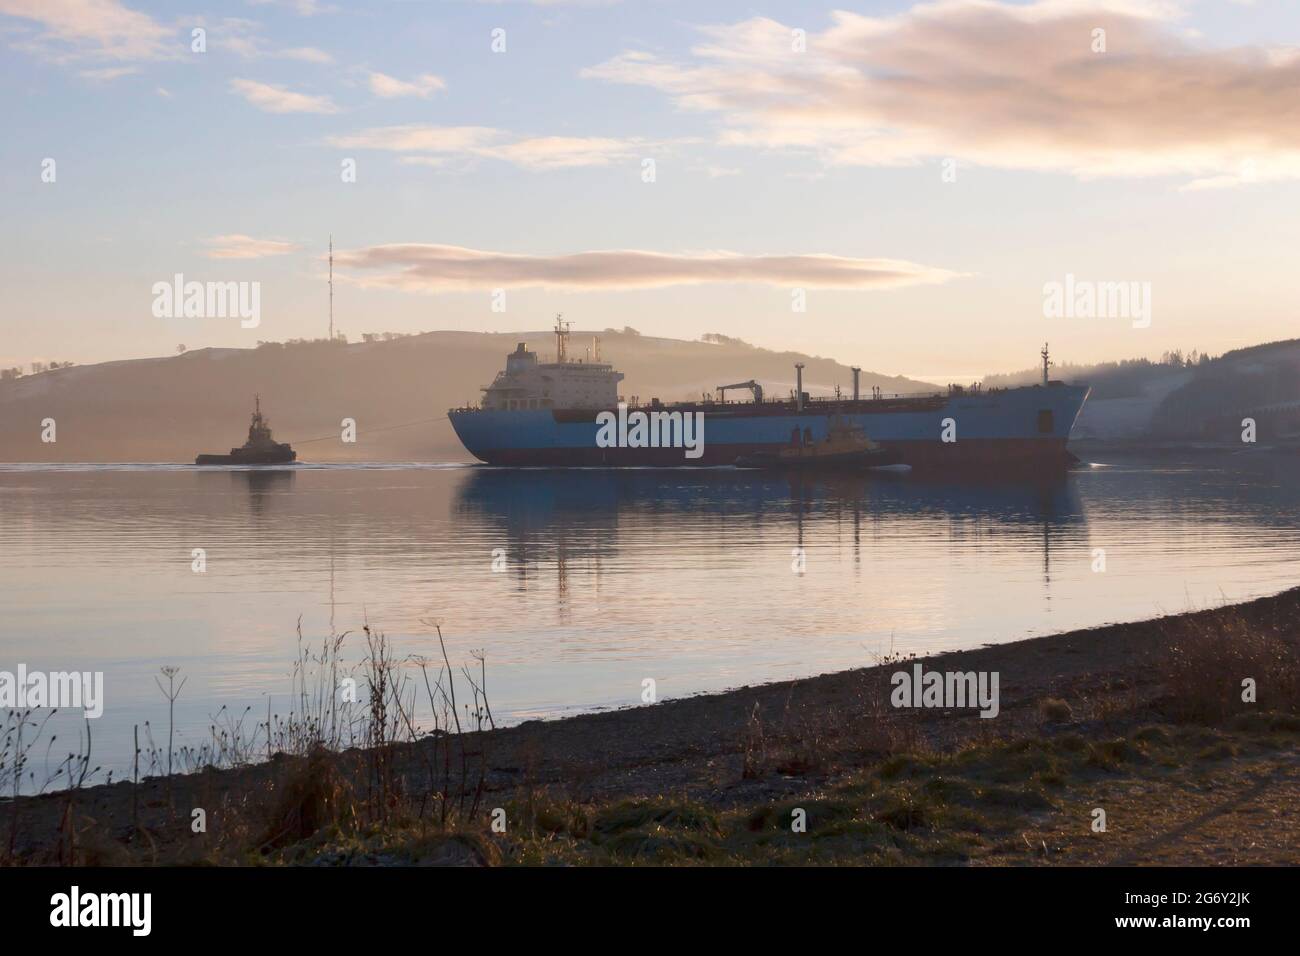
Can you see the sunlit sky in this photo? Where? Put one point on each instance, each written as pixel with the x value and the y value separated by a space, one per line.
pixel 781 162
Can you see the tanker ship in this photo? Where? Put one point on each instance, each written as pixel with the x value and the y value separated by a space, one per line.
pixel 569 413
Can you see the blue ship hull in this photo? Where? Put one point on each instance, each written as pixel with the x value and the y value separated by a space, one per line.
pixel 1019 427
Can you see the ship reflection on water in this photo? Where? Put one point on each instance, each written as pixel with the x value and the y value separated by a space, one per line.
pixel 579 584
pixel 262 484
pixel 567 513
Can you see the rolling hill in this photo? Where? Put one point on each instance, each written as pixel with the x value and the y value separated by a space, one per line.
pixel 170 409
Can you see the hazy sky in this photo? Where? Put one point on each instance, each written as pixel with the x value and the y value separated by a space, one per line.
pixel 919 171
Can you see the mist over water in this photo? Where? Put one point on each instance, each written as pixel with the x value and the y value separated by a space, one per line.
pixel 604 578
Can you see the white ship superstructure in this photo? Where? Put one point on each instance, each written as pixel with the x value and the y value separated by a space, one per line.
pixel 527 383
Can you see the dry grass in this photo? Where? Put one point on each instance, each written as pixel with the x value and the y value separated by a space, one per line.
pixel 806 742
pixel 1207 660
pixel 338 763
pixel 366 784
pixel 313 796
pixel 1054 710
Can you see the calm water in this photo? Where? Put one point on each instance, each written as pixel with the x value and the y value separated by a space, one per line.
pixel 604 578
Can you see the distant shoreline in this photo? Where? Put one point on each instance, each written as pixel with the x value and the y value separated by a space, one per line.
pixel 1160 448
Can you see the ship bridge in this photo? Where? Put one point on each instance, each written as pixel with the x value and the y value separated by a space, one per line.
pixel 527 383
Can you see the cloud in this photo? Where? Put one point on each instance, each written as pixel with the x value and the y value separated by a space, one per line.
pixel 90 29
pixel 435 145
pixel 556 3
pixel 438 268
pixel 237 246
pixel 564 152
pixel 419 139
pixel 304 8
pixel 307 54
pixel 107 73
pixel 277 99
pixel 389 87
pixel 242 37
pixel 988 82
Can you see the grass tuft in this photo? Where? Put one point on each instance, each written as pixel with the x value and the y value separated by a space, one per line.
pixel 1054 710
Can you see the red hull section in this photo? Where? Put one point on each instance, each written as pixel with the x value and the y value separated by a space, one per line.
pixel 984 454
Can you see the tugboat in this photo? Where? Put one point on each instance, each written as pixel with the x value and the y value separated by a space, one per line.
pixel 845 446
pixel 260 449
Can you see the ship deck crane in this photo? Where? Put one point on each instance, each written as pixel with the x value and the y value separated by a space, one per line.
pixel 752 385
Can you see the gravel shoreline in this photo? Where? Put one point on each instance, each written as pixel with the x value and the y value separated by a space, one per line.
pixel 739 748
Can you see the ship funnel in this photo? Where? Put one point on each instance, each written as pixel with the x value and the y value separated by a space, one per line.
pixel 856 372
pixel 798 387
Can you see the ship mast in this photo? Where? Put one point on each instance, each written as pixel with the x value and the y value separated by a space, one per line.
pixel 561 338
pixel 331 287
